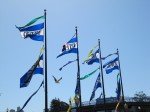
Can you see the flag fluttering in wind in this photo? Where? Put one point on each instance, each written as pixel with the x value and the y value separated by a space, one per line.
pixel 97 85
pixel 35 32
pixel 77 93
pixel 118 92
pixel 69 47
pixel 77 90
pixel 93 57
pixel 88 75
pixel 33 21
pixel 31 97
pixel 37 68
pixel 111 65
pixel 103 58
pixel 118 89
pixel 69 62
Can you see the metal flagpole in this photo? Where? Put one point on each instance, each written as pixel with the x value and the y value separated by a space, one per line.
pixel 45 73
pixel 78 73
pixel 101 71
pixel 120 77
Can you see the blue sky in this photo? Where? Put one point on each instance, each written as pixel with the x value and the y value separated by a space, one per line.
pixel 122 24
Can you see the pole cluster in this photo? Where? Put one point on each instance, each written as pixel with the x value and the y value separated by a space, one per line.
pixel 78 72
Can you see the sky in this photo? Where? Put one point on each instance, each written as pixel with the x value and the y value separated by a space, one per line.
pixel 122 24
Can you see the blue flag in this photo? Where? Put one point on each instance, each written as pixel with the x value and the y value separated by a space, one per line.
pixel 37 68
pixel 118 90
pixel 69 62
pixel 103 58
pixel 97 85
pixel 92 58
pixel 111 65
pixel 69 47
pixel 77 90
pixel 35 32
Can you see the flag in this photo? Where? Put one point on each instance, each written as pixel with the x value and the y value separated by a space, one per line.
pixel 103 58
pixel 118 90
pixel 33 21
pixel 77 90
pixel 93 57
pixel 35 32
pixel 31 97
pixel 69 47
pixel 69 62
pixel 88 75
pixel 111 65
pixel 97 85
pixel 35 69
pixel 90 54
pixel 39 68
pixel 92 96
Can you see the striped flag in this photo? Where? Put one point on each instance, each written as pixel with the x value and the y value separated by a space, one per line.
pixel 69 47
pixel 111 65
pixel 37 68
pixel 34 32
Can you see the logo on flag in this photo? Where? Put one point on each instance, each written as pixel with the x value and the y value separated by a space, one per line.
pixel 69 47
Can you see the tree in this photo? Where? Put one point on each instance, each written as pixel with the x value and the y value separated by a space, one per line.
pixel 140 96
pixel 58 106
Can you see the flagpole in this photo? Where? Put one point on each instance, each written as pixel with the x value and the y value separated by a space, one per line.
pixel 101 71
pixel 120 77
pixel 78 73
pixel 46 88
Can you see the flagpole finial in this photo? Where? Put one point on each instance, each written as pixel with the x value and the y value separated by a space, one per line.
pixel 117 50
pixel 76 30
pixel 44 10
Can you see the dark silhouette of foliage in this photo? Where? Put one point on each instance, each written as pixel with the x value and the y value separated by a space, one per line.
pixel 140 96
pixel 58 106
